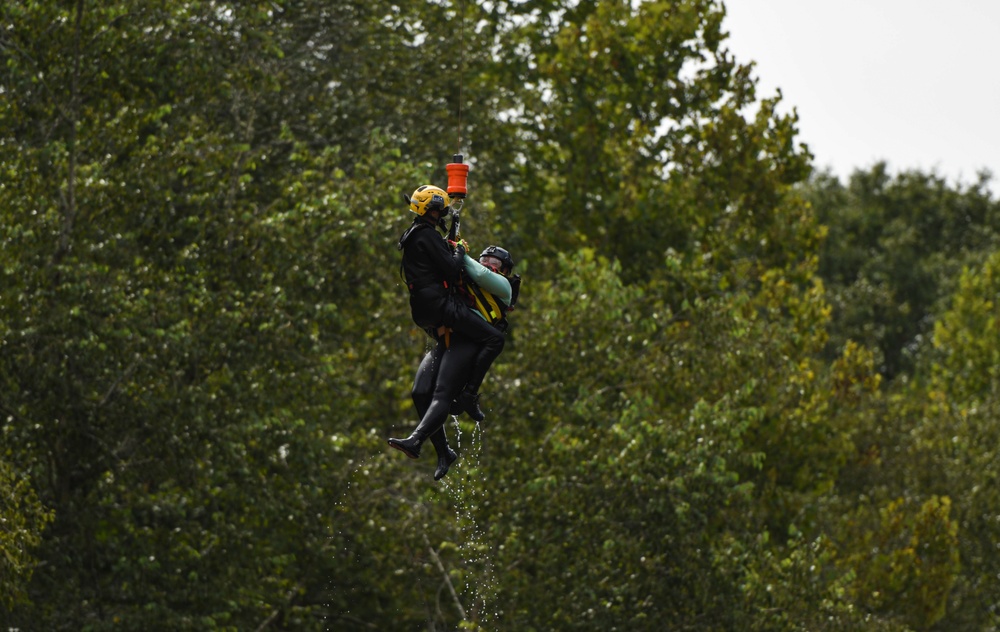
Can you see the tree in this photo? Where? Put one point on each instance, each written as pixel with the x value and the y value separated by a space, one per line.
pixel 178 262
pixel 642 134
pixel 206 340
pixel 953 443
pixel 915 492
pixel 896 245
pixel 24 519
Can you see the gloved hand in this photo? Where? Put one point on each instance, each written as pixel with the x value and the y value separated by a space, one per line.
pixel 461 247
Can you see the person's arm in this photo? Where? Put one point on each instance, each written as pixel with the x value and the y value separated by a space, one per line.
pixel 495 284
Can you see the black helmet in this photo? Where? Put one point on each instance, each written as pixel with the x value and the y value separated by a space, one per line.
pixel 506 261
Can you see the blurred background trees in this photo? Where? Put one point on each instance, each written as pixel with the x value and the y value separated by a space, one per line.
pixel 736 395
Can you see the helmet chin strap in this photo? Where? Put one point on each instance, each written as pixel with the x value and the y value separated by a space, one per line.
pixel 442 222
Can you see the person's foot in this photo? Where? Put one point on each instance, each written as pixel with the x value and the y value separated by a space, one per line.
pixel 444 462
pixel 409 446
pixel 469 402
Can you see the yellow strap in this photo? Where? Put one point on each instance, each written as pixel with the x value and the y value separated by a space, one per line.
pixel 491 309
pixel 446 332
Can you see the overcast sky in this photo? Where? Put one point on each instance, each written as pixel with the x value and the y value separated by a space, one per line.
pixel 913 82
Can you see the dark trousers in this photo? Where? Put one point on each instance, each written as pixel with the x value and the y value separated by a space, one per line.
pixel 442 374
pixel 488 339
pixel 432 307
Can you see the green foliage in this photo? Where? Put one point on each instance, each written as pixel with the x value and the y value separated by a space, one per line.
pixel 801 586
pixel 24 520
pixel 651 96
pixel 968 352
pixel 896 246
pixel 205 338
pixel 908 563
pixel 176 343
pixel 956 436
pixel 921 533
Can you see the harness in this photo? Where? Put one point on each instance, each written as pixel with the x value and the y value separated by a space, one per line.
pixel 488 305
pixel 493 309
pixel 420 284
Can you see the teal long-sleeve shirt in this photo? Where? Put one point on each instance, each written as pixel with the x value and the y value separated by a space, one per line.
pixel 495 284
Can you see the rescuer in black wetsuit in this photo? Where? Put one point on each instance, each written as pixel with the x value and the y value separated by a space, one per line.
pixel 432 269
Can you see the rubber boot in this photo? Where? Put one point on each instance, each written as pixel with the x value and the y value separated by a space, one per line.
pixel 409 446
pixel 444 462
pixel 432 421
pixel 469 401
pixel 446 456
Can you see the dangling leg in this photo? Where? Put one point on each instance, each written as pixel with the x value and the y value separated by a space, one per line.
pixel 450 378
pixel 422 394
pixel 490 342
pixel 423 388
pixel 446 456
pixel 461 356
pixel 423 382
pixel 431 422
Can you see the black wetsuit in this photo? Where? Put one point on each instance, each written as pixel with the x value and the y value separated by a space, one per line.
pixel 439 378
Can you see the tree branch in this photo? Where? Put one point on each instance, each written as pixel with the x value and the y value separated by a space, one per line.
pixel 69 215
pixel 114 387
pixel 277 611
pixel 447 580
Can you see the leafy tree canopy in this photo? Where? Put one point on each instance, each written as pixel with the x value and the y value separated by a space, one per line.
pixel 205 337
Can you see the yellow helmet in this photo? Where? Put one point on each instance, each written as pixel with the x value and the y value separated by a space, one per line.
pixel 428 198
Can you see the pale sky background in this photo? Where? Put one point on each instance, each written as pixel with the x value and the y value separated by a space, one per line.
pixel 915 83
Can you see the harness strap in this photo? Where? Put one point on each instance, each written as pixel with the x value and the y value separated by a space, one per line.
pixel 488 305
pixel 419 285
pixel 446 332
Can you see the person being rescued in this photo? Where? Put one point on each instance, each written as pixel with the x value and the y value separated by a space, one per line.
pixel 432 267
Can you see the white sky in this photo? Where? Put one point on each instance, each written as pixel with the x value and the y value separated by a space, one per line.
pixel 915 83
